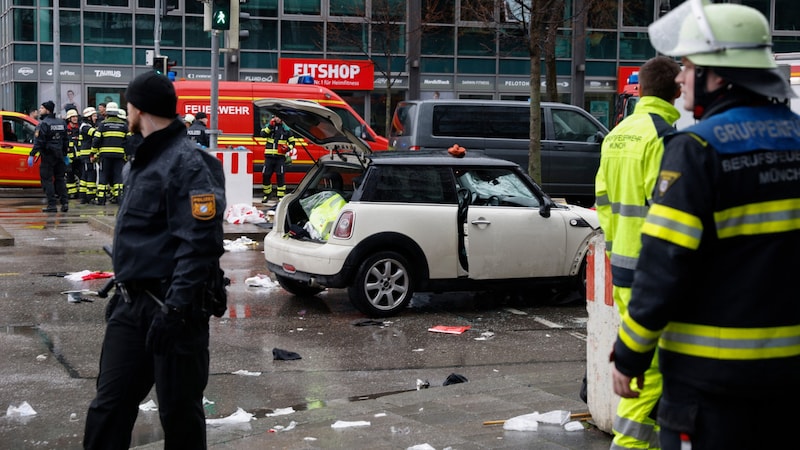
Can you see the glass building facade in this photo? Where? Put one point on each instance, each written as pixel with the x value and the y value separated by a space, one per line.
pixel 103 44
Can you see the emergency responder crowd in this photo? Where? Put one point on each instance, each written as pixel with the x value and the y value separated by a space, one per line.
pixel 82 157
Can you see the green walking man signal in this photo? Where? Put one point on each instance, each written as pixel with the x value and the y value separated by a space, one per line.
pixel 221 15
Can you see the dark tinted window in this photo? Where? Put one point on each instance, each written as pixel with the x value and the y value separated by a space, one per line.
pixel 502 122
pixel 411 184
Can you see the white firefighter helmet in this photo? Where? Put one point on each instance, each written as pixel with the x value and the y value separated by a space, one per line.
pixel 88 111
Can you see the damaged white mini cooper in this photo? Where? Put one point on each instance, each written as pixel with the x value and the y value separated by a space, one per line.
pixel 389 224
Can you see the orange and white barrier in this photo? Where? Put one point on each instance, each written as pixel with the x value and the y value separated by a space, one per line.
pixel 601 332
pixel 238 166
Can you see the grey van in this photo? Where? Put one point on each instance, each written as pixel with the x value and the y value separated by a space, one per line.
pixel 571 137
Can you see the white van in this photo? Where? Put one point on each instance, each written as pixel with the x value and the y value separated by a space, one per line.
pixel 571 137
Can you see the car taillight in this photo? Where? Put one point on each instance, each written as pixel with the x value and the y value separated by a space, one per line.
pixel 414 148
pixel 344 226
pixel 289 268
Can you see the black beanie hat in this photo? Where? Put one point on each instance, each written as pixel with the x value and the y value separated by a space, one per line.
pixel 152 93
pixel 49 105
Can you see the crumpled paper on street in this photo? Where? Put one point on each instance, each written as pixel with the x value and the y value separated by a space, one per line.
pixel 149 406
pixel 23 410
pixel 530 422
pixel 263 281
pixel 424 446
pixel 241 244
pixel 243 213
pixel 280 412
pixel 240 416
pixel 350 424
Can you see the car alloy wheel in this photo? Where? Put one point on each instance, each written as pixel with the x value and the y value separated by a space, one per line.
pixel 383 285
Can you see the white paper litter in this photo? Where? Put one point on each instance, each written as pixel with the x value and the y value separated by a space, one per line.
pixel 530 422
pixel 261 281
pixel 77 276
pixel 525 422
pixel 424 446
pixel 241 244
pixel 575 425
pixel 247 373
pixel 309 438
pixel 243 213
pixel 280 412
pixel 556 417
pixel 207 401
pixel 350 424
pixel 289 427
pixel 149 406
pixel 23 410
pixel 380 415
pixel 240 416
pixel 485 336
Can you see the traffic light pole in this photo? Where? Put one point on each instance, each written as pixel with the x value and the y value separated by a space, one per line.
pixel 213 130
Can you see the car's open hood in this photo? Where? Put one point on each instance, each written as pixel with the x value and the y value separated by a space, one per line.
pixel 315 123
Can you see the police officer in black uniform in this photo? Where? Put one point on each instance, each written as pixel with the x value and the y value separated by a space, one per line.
pixel 197 130
pixel 50 142
pixel 167 244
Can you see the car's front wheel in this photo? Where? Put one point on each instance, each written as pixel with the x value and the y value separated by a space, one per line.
pixel 298 288
pixel 383 285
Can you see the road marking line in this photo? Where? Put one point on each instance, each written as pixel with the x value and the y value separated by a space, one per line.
pixel 547 323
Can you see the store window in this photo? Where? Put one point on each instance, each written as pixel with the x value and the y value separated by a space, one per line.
pixel 25 52
pixel 25 25
pixel 261 8
pixel 172 31
pixel 106 3
pixel 70 26
pixel 194 35
pixel 437 11
pixel 603 14
pixel 601 45
pixel 635 46
pixel 437 65
pixel 388 38
pixel 476 66
pixel 787 15
pixel 389 10
pixel 252 60
pixel 102 55
pixel 438 41
pixel 307 7
pixel 476 42
pixel 263 35
pixel 347 37
pixel 515 66
pixel 300 36
pixel 108 28
pixel 69 53
pixel 348 8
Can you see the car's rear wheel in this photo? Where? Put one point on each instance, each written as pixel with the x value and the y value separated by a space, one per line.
pixel 383 285
pixel 298 288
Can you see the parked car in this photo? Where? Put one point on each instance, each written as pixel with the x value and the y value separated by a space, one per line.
pixel 395 223
pixel 16 141
pixel 570 137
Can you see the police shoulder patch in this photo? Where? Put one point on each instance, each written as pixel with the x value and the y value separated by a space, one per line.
pixel 204 206
pixel 666 178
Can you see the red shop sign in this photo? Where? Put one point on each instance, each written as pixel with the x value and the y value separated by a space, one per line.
pixel 334 74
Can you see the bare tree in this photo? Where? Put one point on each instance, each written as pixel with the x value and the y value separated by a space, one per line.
pixel 387 25
pixel 534 24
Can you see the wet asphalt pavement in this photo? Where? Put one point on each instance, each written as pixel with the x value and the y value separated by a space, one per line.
pixel 533 360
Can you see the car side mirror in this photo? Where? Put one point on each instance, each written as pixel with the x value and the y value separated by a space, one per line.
pixel 544 208
pixel 598 137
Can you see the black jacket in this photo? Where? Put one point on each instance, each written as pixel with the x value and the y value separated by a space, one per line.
pixel 51 140
pixel 169 224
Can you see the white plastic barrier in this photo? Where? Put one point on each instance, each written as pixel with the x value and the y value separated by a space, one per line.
pixel 238 166
pixel 601 332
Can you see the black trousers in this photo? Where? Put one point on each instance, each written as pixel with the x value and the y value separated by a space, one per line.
pixel 128 372
pixel 741 420
pixel 52 172
pixel 274 164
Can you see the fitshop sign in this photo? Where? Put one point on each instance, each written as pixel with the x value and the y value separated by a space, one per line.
pixel 333 74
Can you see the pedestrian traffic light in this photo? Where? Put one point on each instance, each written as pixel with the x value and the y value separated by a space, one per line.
pixel 161 64
pixel 221 15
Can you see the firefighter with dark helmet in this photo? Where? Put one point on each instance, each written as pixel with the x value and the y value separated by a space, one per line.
pixel 714 288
